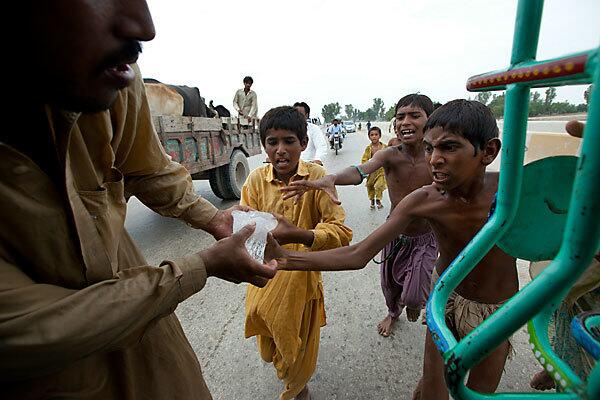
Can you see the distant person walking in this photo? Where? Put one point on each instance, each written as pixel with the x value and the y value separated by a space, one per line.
pixel 245 101
pixel 368 126
pixel 376 183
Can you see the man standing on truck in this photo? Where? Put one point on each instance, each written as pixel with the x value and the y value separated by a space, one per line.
pixel 82 314
pixel 245 101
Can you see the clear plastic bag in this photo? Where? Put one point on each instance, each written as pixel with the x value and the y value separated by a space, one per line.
pixel 265 223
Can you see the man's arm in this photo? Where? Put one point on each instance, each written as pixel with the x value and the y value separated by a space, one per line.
pixel 320 143
pixel 161 184
pixel 236 105
pixel 254 105
pixel 45 327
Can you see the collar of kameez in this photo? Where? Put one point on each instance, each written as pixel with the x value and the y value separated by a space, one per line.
pixel 302 171
pixel 61 123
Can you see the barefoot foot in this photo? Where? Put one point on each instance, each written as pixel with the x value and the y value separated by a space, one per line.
pixel 412 315
pixel 304 394
pixel 386 327
pixel 542 381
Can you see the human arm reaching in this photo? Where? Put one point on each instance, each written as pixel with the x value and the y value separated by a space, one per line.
pixel 47 326
pixel 347 176
pixel 357 256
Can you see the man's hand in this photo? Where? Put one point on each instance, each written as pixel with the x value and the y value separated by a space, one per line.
pixel 297 188
pixel 221 225
pixel 575 128
pixel 229 260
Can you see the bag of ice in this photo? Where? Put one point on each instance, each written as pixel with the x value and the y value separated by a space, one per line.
pixel 265 223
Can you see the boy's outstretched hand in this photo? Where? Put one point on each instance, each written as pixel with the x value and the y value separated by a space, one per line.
pixel 274 252
pixel 229 260
pixel 297 188
pixel 285 232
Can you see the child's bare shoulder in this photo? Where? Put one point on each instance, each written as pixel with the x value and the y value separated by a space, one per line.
pixel 388 154
pixel 427 196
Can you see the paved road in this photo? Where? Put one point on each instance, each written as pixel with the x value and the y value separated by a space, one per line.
pixel 354 361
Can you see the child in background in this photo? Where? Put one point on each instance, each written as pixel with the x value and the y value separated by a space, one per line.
pixel 376 180
pixel 287 314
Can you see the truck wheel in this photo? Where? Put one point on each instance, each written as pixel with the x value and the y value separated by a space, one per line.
pixel 227 180
pixel 216 184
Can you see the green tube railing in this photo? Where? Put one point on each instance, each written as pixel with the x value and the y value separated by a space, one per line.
pixel 581 238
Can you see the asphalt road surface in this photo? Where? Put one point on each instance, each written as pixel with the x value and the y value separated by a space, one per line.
pixel 355 362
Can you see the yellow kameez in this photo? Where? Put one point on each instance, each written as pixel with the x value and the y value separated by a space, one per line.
pixel 288 313
pixel 376 183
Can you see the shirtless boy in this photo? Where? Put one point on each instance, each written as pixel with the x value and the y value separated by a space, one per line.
pixel 461 139
pixel 408 258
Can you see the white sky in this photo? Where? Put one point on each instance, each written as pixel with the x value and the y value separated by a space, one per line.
pixel 350 51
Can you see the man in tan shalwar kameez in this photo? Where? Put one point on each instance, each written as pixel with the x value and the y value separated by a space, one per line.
pixel 82 314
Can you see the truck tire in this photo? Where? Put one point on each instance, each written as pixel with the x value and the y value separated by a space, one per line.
pixel 227 180
pixel 216 184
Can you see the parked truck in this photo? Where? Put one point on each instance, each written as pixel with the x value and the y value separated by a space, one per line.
pixel 211 148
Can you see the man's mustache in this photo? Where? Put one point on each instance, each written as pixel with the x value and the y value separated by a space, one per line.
pixel 125 55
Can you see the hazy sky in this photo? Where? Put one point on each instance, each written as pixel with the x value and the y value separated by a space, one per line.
pixel 350 51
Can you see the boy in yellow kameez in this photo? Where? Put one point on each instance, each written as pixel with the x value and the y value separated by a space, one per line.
pixel 376 183
pixel 288 313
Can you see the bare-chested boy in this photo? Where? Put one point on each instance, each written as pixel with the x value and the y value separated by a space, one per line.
pixel 409 258
pixel 461 139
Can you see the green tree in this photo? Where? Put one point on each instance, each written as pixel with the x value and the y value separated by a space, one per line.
pixel 550 96
pixel 536 105
pixel 330 111
pixel 497 105
pixel 390 113
pixel 349 109
pixel 378 108
pixel 483 97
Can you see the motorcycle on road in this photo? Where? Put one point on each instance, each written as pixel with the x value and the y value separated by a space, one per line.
pixel 337 144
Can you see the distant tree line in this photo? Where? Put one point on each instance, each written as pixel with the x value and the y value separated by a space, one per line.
pixel 537 104
pixel 376 112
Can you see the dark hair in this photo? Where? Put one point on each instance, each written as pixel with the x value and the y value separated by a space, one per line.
pixel 374 128
pixel 416 100
pixel 284 117
pixel 248 79
pixel 468 118
pixel 303 105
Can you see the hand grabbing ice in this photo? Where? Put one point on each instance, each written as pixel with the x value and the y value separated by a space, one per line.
pixel 265 223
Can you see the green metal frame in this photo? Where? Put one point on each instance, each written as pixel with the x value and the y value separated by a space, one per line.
pixel 581 238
